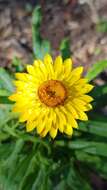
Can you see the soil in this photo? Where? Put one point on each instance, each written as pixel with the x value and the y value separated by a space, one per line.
pixel 74 19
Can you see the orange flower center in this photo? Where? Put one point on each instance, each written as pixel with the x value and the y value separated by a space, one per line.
pixel 52 93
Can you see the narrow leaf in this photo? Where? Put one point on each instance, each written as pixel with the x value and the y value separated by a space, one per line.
pixel 40 46
pixel 5 81
pixel 96 69
pixel 65 48
pixel 95 148
pixel 94 127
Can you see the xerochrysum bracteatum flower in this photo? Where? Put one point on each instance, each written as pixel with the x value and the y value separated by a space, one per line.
pixel 52 96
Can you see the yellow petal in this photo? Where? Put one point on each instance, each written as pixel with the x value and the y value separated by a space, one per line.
pixel 68 130
pixel 40 128
pixel 77 71
pixel 24 89
pixel 87 88
pixel 49 65
pixel 20 84
pixel 61 127
pixel 71 109
pixel 48 60
pixel 75 75
pixel 30 114
pixel 81 82
pixel 44 132
pixel 72 121
pixel 13 97
pixel 31 70
pixel 21 76
pixel 60 118
pixel 82 116
pixel 42 120
pixel 86 98
pixel 42 124
pixel 35 114
pixel 79 102
pixel 40 71
pixel 59 123
pixel 60 113
pixel 23 117
pixel 88 107
pixel 18 108
pixel 67 67
pixel 49 124
pixel 42 68
pixel 70 118
pixel 35 72
pixel 30 126
pixel 78 106
pixel 53 132
pixel 53 116
pixel 58 67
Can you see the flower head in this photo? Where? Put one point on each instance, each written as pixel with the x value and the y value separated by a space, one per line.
pixel 51 96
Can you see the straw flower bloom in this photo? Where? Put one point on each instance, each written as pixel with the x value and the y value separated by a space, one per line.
pixel 51 96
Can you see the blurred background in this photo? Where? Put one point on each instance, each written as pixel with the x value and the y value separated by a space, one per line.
pixel 81 22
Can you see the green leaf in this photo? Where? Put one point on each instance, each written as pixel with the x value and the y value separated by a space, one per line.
pixel 61 185
pixel 70 178
pixel 76 181
pixel 17 63
pixel 3 136
pixel 65 48
pixel 4 92
pixel 42 176
pixel 40 46
pixel 6 81
pixel 45 47
pixel 36 171
pixel 99 94
pixel 37 16
pixel 102 26
pixel 85 157
pixel 9 165
pixel 5 100
pixel 99 117
pixel 99 91
pixel 94 127
pixel 96 69
pixel 6 115
pixel 95 162
pixel 11 161
pixel 32 167
pixel 5 151
pixel 95 148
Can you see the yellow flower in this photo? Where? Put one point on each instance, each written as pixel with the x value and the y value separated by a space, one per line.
pixel 51 96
